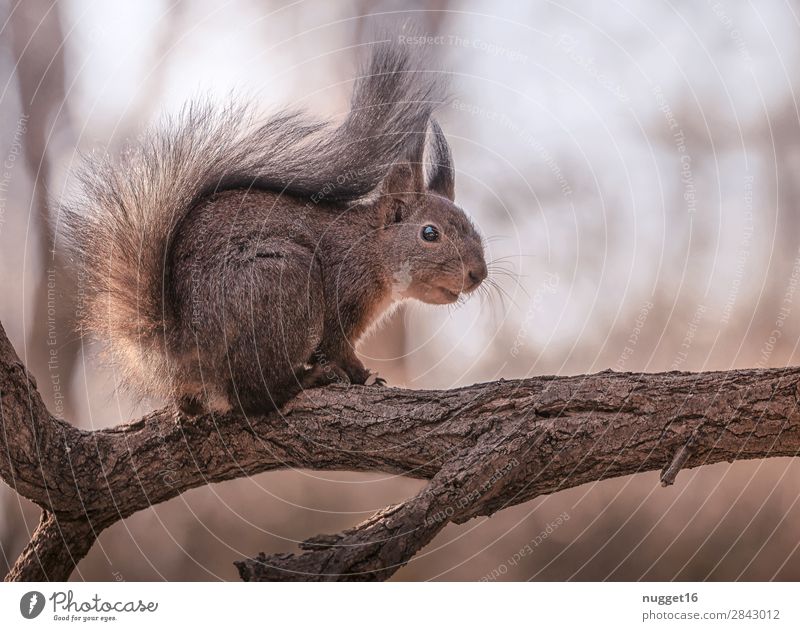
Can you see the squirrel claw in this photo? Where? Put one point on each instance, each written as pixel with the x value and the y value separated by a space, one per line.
pixel 375 380
pixel 323 375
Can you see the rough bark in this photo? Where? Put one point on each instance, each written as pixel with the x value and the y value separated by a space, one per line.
pixel 54 550
pixel 483 448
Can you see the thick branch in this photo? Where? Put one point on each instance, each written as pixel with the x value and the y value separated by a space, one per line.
pixel 54 550
pixel 502 443
pixel 377 548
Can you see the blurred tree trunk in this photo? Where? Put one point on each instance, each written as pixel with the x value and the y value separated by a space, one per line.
pixel 37 47
pixel 38 50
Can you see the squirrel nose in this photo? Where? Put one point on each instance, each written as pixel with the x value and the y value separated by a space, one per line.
pixel 477 274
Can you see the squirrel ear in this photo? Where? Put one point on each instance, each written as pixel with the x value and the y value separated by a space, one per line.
pixel 405 180
pixel 406 177
pixel 397 192
pixel 401 181
pixel 441 174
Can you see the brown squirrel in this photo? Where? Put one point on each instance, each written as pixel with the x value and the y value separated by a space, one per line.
pixel 232 263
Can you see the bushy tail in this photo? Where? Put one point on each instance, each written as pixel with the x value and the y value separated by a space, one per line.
pixel 120 225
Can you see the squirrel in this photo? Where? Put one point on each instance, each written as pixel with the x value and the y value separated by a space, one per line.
pixel 231 262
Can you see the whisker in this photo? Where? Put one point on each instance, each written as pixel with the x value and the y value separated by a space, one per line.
pixel 502 290
pixel 513 275
pixel 517 255
pixel 518 284
pixel 494 271
pixel 501 293
pixel 500 265
pixel 484 297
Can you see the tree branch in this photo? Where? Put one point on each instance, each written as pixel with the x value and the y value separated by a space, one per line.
pixel 54 550
pixel 483 448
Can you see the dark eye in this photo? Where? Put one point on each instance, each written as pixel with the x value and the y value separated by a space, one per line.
pixel 430 233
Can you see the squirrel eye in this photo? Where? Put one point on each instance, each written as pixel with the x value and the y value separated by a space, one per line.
pixel 430 233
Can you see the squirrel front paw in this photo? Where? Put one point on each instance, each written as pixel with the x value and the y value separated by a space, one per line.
pixel 323 375
pixel 346 368
pixel 362 376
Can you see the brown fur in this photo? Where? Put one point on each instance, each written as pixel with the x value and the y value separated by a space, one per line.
pixel 225 273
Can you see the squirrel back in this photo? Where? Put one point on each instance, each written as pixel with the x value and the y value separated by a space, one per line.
pixel 121 227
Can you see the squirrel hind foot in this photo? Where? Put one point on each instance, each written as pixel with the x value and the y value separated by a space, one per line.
pixel 191 406
pixel 324 374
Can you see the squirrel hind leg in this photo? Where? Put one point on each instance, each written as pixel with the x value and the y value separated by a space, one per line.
pixel 271 397
pixel 196 404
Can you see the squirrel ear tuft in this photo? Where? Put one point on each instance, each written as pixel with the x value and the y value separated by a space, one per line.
pixel 441 174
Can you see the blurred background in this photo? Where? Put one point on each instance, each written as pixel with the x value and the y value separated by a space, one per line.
pixel 634 165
